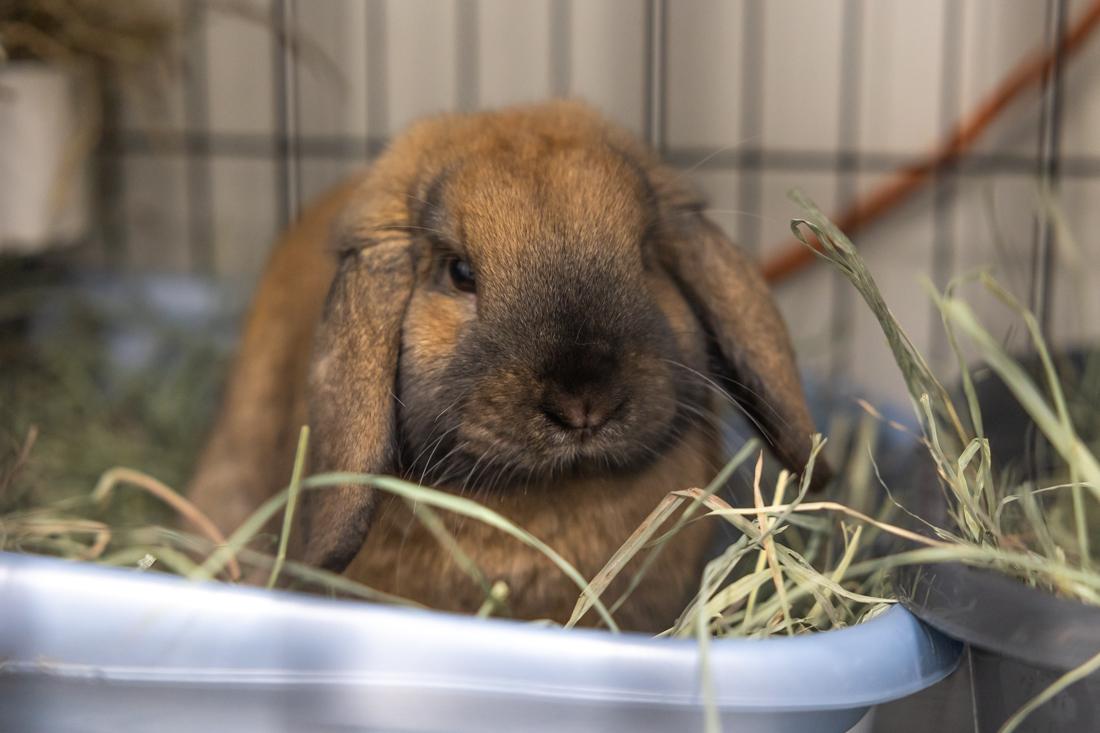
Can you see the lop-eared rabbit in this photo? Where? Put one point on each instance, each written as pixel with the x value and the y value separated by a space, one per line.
pixel 523 307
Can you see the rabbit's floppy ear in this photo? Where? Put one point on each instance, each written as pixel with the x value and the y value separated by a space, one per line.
pixel 351 396
pixel 730 297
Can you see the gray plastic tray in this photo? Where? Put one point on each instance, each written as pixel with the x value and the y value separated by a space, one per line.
pixel 88 649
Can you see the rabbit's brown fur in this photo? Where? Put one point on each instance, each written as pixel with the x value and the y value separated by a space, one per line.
pixel 572 392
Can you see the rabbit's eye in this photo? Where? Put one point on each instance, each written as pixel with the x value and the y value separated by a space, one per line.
pixel 462 275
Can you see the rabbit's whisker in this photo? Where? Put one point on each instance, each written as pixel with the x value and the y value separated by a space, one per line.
pixel 741 385
pixel 434 446
pixel 447 409
pixel 446 474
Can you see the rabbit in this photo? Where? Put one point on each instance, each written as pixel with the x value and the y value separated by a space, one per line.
pixel 522 306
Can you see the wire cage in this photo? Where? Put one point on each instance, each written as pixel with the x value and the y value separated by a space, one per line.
pixel 982 111
pixel 949 136
pixel 273 101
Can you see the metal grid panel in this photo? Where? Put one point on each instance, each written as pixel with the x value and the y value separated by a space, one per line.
pixel 301 159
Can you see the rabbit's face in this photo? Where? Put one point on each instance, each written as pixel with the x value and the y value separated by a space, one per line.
pixel 525 294
pixel 542 337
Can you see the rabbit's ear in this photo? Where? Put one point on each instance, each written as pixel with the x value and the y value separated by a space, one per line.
pixel 730 297
pixel 351 397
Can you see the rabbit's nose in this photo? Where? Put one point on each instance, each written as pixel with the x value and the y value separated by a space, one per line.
pixel 587 412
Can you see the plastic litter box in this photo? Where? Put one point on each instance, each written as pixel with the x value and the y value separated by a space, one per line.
pixel 88 649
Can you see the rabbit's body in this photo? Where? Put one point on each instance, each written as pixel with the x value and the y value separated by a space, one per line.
pixel 524 308
pixel 585 520
pixel 250 452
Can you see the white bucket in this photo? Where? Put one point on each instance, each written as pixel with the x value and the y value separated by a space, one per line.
pixel 44 146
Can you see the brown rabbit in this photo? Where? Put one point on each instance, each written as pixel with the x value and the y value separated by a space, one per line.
pixel 522 306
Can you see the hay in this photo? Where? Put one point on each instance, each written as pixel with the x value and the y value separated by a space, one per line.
pixel 795 565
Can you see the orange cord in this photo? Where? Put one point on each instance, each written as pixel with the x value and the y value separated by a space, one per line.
pixel 795 256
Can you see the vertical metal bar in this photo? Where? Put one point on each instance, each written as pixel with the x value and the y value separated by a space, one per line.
pixel 110 184
pixel 288 165
pixel 1048 173
pixel 752 125
pixel 655 73
pixel 377 91
pixel 561 53
pixel 467 66
pixel 945 183
pixel 200 230
pixel 848 136
pixel 1049 168
pixel 280 85
pixel 294 115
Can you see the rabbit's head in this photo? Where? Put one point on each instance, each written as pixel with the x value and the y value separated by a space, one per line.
pixel 525 296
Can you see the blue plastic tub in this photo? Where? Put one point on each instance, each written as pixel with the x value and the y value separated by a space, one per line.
pixel 87 649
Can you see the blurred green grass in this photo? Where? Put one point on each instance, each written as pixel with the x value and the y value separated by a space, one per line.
pixel 65 391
